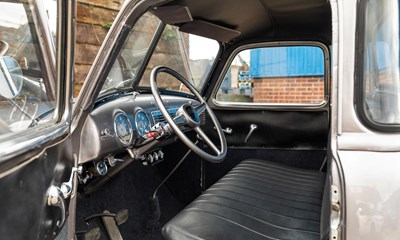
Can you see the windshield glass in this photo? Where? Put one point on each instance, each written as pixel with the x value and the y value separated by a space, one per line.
pixel 190 55
pixel 132 55
pixel 381 80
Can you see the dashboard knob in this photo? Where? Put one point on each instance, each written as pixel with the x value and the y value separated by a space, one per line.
pixel 155 156
pixel 160 154
pixel 105 132
pixel 101 167
pixel 150 158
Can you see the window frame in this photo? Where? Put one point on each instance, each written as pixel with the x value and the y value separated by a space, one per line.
pixel 359 94
pixel 221 77
pixel 35 140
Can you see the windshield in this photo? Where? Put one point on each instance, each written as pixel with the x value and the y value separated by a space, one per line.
pixel 132 55
pixel 190 55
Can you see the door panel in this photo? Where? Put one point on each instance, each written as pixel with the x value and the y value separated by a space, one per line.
pixel 23 199
pixel 275 129
pixel 35 147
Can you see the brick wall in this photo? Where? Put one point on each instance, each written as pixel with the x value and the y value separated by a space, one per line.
pixel 288 90
pixel 94 18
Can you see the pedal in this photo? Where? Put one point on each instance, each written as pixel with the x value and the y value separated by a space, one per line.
pixel 93 234
pixel 111 227
pixel 121 217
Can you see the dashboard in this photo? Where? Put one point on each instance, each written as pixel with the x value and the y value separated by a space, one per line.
pixel 123 123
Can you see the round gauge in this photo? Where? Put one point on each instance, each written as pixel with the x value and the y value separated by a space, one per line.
pixel 142 123
pixel 123 128
pixel 101 167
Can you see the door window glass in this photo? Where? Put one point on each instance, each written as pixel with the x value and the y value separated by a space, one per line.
pixel 275 75
pixel 381 75
pixel 27 88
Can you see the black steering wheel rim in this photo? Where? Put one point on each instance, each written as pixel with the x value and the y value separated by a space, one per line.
pixel 219 153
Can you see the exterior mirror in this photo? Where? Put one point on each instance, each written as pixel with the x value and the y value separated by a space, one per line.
pixel 10 77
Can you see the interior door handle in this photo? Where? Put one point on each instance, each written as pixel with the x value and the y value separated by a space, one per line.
pixel 253 127
pixel 227 130
pixel 56 196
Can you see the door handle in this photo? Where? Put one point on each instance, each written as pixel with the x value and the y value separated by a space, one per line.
pixel 253 127
pixel 56 196
pixel 227 130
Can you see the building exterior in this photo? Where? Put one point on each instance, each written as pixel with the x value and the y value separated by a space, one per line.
pixel 287 75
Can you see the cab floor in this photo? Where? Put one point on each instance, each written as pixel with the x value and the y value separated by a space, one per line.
pixel 130 189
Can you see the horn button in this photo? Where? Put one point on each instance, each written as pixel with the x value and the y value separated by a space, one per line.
pixel 189 114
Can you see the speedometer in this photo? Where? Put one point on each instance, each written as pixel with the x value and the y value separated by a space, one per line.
pixel 123 128
pixel 142 123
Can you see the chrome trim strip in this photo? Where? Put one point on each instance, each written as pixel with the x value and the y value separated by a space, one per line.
pixel 221 105
pixel 23 142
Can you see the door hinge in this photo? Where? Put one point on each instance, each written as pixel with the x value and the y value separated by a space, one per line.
pixel 335 213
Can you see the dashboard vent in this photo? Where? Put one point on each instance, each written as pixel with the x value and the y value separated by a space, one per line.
pixel 158 117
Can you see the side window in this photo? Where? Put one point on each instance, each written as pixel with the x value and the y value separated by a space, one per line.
pixel 379 75
pixel 286 75
pixel 27 88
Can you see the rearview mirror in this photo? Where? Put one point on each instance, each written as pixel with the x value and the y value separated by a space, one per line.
pixel 10 77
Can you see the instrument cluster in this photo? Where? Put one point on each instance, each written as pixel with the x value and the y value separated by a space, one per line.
pixel 123 128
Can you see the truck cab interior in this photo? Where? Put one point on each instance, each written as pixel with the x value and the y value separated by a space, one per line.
pixel 208 120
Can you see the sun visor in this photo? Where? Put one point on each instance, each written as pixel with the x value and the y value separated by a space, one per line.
pixel 209 30
pixel 173 14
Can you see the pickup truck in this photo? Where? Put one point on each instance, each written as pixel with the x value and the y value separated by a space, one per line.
pixel 203 120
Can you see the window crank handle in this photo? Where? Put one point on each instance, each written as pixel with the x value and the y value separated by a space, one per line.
pixel 253 127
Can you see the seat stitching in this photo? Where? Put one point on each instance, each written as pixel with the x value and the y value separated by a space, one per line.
pixel 311 183
pixel 242 213
pixel 227 220
pixel 275 173
pixel 280 197
pixel 279 166
pixel 231 176
pixel 251 189
pixel 281 169
pixel 266 200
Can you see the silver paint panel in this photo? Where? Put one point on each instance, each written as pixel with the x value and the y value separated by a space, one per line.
pixel 372 194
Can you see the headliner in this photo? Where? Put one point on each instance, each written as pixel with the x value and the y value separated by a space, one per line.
pixel 272 19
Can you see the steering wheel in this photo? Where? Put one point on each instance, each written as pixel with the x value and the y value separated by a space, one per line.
pixel 189 115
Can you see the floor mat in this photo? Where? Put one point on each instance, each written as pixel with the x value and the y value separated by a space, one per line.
pixel 130 189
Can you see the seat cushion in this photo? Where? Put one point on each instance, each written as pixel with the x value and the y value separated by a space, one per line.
pixel 257 199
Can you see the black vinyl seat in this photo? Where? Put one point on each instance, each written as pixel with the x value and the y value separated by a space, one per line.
pixel 256 200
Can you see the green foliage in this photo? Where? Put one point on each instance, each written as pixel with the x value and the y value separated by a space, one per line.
pixel 169 34
pixel 107 25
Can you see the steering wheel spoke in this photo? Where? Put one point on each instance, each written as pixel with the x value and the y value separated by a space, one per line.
pixel 207 140
pixel 179 120
pixel 200 108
